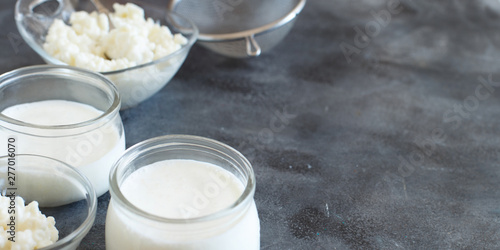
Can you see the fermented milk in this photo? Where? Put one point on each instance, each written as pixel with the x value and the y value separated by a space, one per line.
pixel 182 189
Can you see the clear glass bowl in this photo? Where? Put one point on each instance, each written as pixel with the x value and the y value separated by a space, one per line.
pixel 135 84
pixel 61 191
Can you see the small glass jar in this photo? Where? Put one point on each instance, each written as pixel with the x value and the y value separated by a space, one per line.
pixel 235 227
pixel 92 145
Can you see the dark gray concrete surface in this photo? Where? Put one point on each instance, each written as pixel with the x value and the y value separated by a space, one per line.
pixel 389 141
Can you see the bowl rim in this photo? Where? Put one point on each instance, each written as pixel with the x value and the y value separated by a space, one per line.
pixel 79 233
pixel 214 37
pixel 41 52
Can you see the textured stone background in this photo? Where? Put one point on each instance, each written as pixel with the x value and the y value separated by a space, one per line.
pixel 395 146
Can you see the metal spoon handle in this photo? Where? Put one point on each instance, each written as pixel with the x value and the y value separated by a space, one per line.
pixel 101 9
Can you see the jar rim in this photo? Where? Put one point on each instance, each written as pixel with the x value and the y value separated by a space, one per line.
pixel 7 79
pixel 178 139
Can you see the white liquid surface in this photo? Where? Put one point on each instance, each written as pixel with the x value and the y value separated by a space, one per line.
pixel 52 112
pixel 182 189
pixel 92 152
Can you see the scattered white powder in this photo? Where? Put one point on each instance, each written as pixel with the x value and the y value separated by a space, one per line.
pixel 89 44
pixel 32 229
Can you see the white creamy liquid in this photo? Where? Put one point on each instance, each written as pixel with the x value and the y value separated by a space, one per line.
pixel 182 189
pixel 92 152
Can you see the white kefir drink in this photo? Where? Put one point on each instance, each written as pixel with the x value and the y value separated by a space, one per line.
pixel 198 197
pixel 91 149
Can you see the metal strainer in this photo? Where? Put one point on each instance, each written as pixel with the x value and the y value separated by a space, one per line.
pixel 240 28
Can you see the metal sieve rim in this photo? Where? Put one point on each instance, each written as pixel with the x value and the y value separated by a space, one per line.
pixel 207 37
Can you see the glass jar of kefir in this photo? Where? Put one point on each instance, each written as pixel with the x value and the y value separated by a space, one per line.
pixel 182 192
pixel 65 113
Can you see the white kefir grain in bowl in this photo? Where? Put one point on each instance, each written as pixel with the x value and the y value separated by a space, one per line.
pixel 140 55
pixel 31 229
pixel 33 221
pixel 88 43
